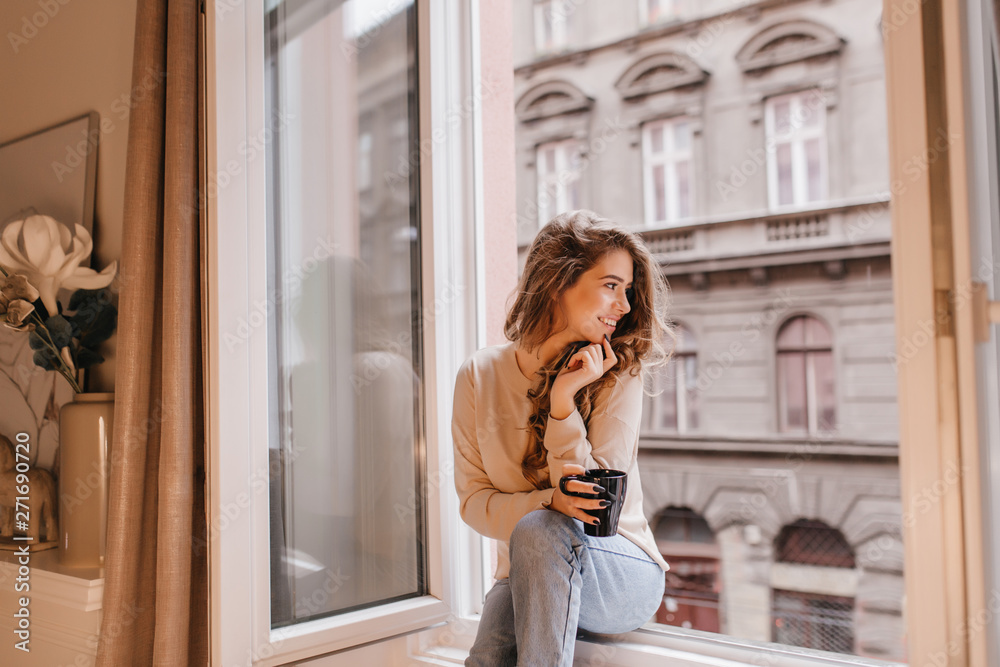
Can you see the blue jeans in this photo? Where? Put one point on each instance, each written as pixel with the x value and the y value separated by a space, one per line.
pixel 561 579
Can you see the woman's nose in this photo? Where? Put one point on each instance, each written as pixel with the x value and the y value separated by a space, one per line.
pixel 623 302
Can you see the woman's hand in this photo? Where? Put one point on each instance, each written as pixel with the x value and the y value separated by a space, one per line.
pixel 587 365
pixel 573 506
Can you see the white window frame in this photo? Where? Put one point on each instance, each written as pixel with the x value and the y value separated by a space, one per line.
pixel 796 137
pixel 556 185
pixel 236 396
pixel 558 11
pixel 669 158
pixel 233 248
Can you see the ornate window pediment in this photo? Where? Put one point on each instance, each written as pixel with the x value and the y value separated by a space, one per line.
pixel 552 98
pixel 788 42
pixel 658 73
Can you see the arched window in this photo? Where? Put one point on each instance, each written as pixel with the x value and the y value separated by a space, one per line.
pixel 676 409
pixel 812 607
pixel 691 597
pixel 806 378
pixel 809 542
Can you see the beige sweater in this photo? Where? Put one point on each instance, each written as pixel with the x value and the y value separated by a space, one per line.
pixel 489 427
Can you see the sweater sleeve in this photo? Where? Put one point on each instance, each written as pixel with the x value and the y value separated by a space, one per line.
pixel 488 511
pixel 611 439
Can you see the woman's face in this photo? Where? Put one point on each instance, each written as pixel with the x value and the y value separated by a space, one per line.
pixel 593 305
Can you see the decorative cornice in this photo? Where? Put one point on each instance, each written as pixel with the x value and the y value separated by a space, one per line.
pixel 658 73
pixel 551 98
pixel 788 42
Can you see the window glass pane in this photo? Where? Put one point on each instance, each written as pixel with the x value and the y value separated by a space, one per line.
pixel 682 135
pixel 782 116
pixel 346 509
pixel 683 189
pixel 654 10
pixel 668 399
pixel 817 334
pixel 783 155
pixel 826 398
pixel 549 161
pixel 690 365
pixel 656 138
pixel 810 109
pixel 792 334
pixel 659 193
pixel 815 170
pixel 792 390
pixel 572 195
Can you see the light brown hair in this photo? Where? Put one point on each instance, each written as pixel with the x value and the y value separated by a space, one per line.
pixel 569 245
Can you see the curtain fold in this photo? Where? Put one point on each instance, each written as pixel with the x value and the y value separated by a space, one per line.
pixel 155 593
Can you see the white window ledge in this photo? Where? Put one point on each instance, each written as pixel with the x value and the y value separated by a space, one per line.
pixel 652 646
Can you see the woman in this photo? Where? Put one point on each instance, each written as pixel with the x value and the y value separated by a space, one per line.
pixel 537 408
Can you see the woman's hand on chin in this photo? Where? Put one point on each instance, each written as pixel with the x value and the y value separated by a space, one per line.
pixel 589 363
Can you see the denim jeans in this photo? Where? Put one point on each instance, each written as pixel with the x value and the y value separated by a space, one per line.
pixel 561 579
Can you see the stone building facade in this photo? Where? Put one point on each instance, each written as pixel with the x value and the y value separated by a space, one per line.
pixel 746 142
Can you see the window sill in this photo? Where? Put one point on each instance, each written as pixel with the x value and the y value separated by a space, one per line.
pixel 653 645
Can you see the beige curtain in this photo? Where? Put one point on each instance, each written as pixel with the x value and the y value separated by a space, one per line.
pixel 155 605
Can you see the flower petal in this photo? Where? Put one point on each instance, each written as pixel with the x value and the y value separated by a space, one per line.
pixel 10 254
pixel 18 312
pixel 79 250
pixel 84 278
pixel 40 238
pixel 65 237
pixel 17 286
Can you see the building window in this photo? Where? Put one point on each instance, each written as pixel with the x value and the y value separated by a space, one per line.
pixel 652 12
pixel 691 597
pixel 676 408
pixel 558 164
pixel 810 542
pixel 551 22
pixel 814 619
pixel 809 620
pixel 796 156
pixel 666 155
pixel 806 377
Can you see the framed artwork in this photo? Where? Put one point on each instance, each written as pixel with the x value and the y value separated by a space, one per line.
pixel 52 172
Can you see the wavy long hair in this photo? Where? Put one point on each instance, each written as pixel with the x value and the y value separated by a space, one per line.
pixel 569 245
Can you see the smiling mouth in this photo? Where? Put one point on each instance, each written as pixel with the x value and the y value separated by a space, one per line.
pixel 611 324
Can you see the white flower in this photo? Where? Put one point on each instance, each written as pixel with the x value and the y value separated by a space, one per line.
pixel 49 256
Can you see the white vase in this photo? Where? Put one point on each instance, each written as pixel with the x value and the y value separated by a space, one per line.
pixel 84 467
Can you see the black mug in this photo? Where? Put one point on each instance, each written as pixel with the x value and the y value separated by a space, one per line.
pixel 614 483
